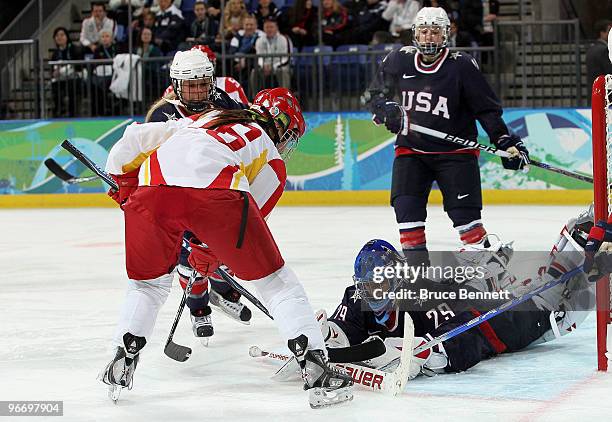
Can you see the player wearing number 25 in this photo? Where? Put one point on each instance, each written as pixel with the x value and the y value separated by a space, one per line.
pixel 433 87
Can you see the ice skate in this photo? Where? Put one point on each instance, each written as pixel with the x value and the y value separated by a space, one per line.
pixel 326 385
pixel 202 324
pixel 119 373
pixel 231 306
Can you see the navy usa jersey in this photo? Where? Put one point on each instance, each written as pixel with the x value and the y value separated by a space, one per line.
pixel 448 95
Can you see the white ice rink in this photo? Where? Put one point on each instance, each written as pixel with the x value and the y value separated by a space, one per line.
pixel 63 280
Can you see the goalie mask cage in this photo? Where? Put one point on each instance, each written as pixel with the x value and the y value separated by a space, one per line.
pixel 602 174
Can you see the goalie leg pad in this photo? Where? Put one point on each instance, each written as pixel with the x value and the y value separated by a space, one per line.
pixel 143 300
pixel 285 298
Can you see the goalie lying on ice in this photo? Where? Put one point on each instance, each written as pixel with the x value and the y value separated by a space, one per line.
pixel 551 314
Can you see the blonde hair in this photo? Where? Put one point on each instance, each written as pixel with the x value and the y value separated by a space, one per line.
pixel 226 24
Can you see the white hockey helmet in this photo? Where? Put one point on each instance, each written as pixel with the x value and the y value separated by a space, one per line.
pixel 434 18
pixel 192 65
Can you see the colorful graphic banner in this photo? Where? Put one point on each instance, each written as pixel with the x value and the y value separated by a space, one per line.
pixel 340 151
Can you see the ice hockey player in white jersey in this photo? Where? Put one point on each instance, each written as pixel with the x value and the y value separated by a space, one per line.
pixel 219 170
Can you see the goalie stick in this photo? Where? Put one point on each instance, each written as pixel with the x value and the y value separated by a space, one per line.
pixel 62 174
pixel 389 382
pixel 496 311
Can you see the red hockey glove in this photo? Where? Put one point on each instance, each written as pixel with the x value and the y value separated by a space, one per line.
pixel 203 260
pixel 127 183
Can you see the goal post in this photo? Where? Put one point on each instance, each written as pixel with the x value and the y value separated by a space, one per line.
pixel 602 178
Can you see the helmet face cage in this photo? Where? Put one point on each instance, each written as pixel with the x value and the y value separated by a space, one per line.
pixel 436 21
pixel 376 254
pixel 192 95
pixel 431 48
pixel 193 79
pixel 287 114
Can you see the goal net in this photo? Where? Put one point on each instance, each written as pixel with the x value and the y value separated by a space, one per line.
pixel 602 175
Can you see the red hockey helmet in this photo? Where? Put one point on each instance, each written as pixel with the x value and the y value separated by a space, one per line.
pixel 287 114
pixel 206 50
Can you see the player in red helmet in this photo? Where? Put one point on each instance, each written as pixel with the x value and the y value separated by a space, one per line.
pixel 222 172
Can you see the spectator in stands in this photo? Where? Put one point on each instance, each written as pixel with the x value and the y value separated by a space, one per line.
pixel 187 9
pixel 233 17
pixel 271 71
pixel 266 9
pixel 203 30
pixel 93 26
pixel 169 27
pixel 334 21
pixel 244 43
pixel 119 11
pixel 150 69
pixel 366 19
pixel 597 59
pixel 66 81
pixel 382 37
pixel 459 38
pixel 214 9
pixel 146 48
pixel 401 14
pixel 103 73
pixel 477 17
pixel 302 20
pixel 154 6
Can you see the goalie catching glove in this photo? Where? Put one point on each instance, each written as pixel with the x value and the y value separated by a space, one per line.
pixel 515 146
pixel 391 114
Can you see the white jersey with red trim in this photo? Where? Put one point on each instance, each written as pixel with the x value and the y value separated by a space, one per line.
pixel 238 156
pixel 232 88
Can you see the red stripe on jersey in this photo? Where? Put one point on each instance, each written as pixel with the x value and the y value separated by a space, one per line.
pixel 489 333
pixel 474 235
pixel 409 151
pixel 156 175
pixel 224 179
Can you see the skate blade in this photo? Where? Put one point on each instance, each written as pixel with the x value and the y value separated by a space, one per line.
pixel 114 391
pixel 230 316
pixel 320 398
pixel 204 341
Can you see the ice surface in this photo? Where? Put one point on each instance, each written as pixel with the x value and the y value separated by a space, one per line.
pixel 63 281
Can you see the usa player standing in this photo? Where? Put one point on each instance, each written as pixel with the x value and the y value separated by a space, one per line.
pixel 446 91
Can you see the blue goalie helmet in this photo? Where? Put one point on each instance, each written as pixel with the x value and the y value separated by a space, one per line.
pixel 369 277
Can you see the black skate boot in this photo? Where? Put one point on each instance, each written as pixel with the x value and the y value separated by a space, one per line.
pixel 202 324
pixel 326 385
pixel 119 373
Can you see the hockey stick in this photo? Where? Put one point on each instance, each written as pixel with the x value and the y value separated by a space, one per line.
pixel 89 164
pixel 244 292
pixel 173 350
pixel 492 150
pixel 496 311
pixel 62 174
pixel 392 382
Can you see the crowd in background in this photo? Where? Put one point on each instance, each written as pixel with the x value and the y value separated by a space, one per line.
pixel 161 27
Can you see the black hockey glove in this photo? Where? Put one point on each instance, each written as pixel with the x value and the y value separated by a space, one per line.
pixel 513 143
pixel 391 114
